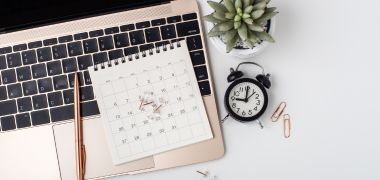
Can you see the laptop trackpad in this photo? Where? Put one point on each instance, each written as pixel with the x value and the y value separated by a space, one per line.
pixel 98 160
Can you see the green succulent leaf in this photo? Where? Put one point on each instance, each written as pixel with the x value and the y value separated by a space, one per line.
pixel 230 15
pixel 230 6
pixel 231 44
pixel 246 3
pixel 243 32
pixel 215 33
pixel 255 27
pixel 264 36
pixel 226 26
pixel 258 1
pixel 252 37
pixel 265 17
pixel 211 18
pixel 245 16
pixel 217 6
pixel 248 21
pixel 249 44
pixel 237 18
pixel 257 13
pixel 260 5
pixel 238 4
pixel 237 24
pixel 230 34
pixel 219 16
pixel 269 10
pixel 248 9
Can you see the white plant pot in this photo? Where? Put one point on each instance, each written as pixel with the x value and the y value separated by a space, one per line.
pixel 242 53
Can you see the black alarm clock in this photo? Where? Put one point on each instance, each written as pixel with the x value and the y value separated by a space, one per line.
pixel 246 99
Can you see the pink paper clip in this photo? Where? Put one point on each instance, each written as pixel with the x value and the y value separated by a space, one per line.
pixel 280 109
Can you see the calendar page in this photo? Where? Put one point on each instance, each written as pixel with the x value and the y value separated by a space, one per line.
pixel 151 105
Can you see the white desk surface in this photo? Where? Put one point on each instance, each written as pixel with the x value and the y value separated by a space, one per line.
pixel 326 65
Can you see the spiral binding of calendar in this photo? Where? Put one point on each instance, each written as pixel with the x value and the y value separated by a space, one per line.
pixel 164 47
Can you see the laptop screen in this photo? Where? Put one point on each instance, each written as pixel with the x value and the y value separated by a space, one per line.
pixel 17 14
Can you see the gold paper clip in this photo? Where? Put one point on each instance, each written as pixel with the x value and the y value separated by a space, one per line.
pixel 287 125
pixel 280 109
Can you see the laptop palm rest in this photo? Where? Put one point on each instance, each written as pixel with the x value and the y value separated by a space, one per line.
pixel 98 159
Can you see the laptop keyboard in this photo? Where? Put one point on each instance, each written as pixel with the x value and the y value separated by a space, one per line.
pixel 37 78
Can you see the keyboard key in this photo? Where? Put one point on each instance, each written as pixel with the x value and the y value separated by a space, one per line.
pixel 39 71
pixel 69 65
pixel 201 73
pixel 80 78
pixel 89 109
pixel 62 113
pixel 194 43
pixel 205 88
pixel 44 54
pixel 49 42
pixel 86 93
pixel 35 44
pixel 40 117
pixel 197 57
pixel 87 78
pixel 24 104
pixel 8 123
pixel 96 33
pixel 14 60
pixel 190 16
pixel 23 73
pixel 39 102
pixel 128 27
pixel 8 107
pixel 3 93
pixel 131 51
pixel 115 54
pixel 65 39
pixel 160 44
pixel 23 120
pixel 187 28
pixel 152 34
pixel 29 57
pixel 142 25
pixel 54 68
pixel 14 91
pixel 100 57
pixel 168 32
pixel 81 36
pixel 174 19
pixel 55 99
pixel 29 88
pixel 158 22
pixel 8 76
pixel 105 43
pixel 121 40
pixel 60 82
pixel 90 46
pixel 146 47
pixel 3 62
pixel 84 62
pixel 68 96
pixel 112 30
pixel 59 51
pixel 5 50
pixel 20 47
pixel 75 48
pixel 45 85
pixel 137 37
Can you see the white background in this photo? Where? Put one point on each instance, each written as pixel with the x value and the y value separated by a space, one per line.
pixel 326 66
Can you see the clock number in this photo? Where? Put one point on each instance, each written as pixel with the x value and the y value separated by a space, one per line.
pixel 257 96
pixel 241 89
pixel 233 105
pixel 236 93
pixel 258 102
pixel 233 98
pixel 243 113
pixel 250 112
pixel 255 108
pixel 238 109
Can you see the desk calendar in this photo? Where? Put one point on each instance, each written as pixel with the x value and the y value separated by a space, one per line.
pixel 150 105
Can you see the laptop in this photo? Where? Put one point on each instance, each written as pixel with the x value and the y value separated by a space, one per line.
pixel 44 43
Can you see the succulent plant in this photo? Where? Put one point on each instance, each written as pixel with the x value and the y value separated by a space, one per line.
pixel 241 19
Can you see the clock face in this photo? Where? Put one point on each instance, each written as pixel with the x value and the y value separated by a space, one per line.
pixel 246 99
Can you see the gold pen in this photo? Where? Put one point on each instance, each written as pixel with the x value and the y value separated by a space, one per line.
pixel 80 151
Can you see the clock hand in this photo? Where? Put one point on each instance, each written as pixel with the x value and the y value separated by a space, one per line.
pixel 246 93
pixel 239 99
pixel 251 95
